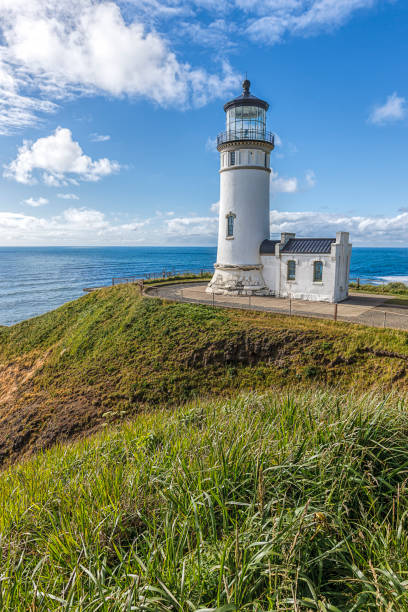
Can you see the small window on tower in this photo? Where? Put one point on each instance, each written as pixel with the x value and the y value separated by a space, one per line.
pixel 232 158
pixel 291 270
pixel 230 225
pixel 317 272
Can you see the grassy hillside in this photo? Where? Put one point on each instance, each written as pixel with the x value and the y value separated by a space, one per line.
pixel 263 502
pixel 111 354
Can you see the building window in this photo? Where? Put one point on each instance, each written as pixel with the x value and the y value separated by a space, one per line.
pixel 317 271
pixel 232 158
pixel 230 225
pixel 291 270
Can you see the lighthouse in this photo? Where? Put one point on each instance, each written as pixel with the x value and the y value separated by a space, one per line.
pixel 248 262
pixel 244 148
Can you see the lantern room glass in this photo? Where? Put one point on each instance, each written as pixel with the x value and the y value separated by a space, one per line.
pixel 246 122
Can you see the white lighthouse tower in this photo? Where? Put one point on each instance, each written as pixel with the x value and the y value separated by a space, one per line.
pixel 244 149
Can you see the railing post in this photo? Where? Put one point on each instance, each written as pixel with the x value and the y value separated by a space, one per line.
pixel 358 283
pixel 290 306
pixel 113 281
pixel 335 312
pixel 213 299
pixel 385 319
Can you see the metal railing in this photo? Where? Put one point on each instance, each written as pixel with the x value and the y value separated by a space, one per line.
pixel 163 275
pixel 250 134
pixel 384 317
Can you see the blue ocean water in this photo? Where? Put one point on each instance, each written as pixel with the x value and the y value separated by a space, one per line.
pixel 34 280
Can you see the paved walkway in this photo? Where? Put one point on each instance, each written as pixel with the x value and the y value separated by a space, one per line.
pixel 369 309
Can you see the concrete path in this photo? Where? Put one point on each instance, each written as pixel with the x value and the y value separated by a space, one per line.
pixel 369 309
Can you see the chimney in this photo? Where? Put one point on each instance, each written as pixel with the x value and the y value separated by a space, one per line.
pixel 342 237
pixel 285 236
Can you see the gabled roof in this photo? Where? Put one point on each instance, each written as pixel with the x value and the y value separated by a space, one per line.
pixel 308 245
pixel 268 247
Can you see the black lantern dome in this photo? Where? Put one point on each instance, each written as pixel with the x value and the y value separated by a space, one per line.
pixel 246 99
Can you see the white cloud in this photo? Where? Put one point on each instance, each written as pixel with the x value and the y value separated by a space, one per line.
pixel 60 159
pixel 215 207
pixel 100 137
pixel 363 229
pixel 50 50
pixel 291 184
pixel 17 110
pixel 394 109
pixel 90 226
pixel 283 185
pixel 300 17
pixel 35 202
pixel 192 226
pixel 84 218
pixel 73 226
pixel 59 49
pixel 67 196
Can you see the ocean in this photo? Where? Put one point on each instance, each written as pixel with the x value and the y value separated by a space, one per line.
pixel 34 280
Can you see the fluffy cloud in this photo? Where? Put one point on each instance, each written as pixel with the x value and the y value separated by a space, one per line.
pixel 90 226
pixel 73 226
pixel 35 202
pixel 281 184
pixel 394 109
pixel 50 50
pixel 60 159
pixel 363 229
pixel 192 226
pixel 64 48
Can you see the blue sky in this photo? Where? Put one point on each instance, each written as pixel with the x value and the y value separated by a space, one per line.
pixel 109 110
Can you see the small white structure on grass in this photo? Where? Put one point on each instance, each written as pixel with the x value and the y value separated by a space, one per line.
pixel 248 262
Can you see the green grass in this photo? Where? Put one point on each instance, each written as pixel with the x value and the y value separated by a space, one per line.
pixel 114 353
pixel 394 288
pixel 262 502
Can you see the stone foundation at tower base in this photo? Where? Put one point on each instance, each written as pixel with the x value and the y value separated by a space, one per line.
pixel 238 280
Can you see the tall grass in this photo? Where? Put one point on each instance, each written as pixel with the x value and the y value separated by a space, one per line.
pixel 259 503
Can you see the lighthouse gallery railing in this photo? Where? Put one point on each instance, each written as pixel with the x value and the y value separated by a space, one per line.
pixel 255 134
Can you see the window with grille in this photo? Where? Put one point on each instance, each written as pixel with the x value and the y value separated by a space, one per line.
pixel 317 271
pixel 232 158
pixel 291 270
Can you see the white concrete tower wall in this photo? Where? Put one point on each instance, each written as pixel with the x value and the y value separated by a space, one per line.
pixel 244 193
pixel 244 197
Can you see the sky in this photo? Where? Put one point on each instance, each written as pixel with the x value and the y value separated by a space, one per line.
pixel 109 112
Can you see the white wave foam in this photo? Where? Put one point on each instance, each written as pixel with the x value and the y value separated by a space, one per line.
pixel 395 279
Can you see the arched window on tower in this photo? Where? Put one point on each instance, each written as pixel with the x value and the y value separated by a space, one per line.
pixel 317 271
pixel 291 275
pixel 230 225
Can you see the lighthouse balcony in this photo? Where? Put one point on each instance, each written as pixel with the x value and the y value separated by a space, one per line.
pixel 246 134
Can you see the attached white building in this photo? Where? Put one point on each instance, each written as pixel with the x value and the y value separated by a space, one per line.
pixel 248 262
